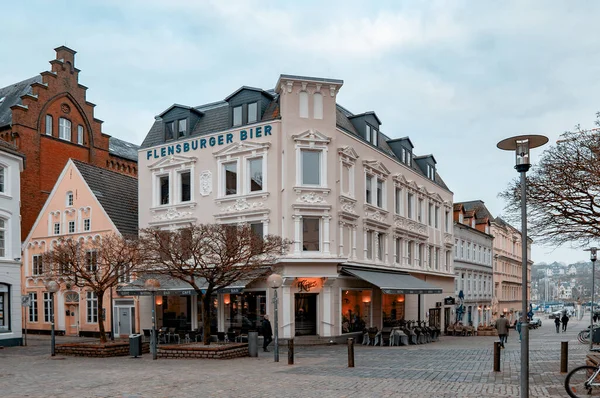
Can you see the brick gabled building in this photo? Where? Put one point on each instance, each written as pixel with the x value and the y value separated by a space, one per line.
pixel 48 118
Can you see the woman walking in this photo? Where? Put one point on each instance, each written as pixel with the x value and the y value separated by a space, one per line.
pixel 557 324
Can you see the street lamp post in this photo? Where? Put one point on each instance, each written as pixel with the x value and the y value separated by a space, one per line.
pixel 593 257
pixel 52 287
pixel 275 281
pixel 521 145
pixel 153 285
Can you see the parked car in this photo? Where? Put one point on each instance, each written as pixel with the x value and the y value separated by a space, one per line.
pixel 535 323
pixel 556 314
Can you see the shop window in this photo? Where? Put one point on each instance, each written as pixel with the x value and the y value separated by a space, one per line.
pixel 4 308
pixel 392 309
pixel 311 234
pixel 244 312
pixel 356 310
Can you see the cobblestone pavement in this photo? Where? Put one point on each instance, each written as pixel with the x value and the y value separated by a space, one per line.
pixel 452 367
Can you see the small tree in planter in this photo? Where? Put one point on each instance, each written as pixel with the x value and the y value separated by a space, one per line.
pixel 95 265
pixel 209 257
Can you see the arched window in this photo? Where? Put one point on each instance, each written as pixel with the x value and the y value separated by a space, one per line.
pixel 71 298
pixel 303 104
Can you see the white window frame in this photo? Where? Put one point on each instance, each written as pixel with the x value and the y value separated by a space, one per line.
pixel 248 177
pixel 36 268
pixel 380 201
pixel 369 189
pixel 48 307
pixel 369 243
pixel 420 217
pixel 91 263
pixel 4 235
pixel 89 224
pixel 314 141
pixel 250 113
pixel 348 157
pixel 91 308
pixel 158 198
pixel 320 222
pixel 436 221
pixel 70 199
pixel 397 250
pixel 33 307
pixel 430 210
pixel 233 110
pixel 56 228
pixel 398 203
pixel 3 179
pixel 223 178
pixel 80 134
pixel 410 203
pixel 321 165
pixel 69 225
pixel 49 126
pixel 179 174
pixel 64 129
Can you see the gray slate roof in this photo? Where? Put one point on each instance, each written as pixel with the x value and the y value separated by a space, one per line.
pixel 117 193
pixel 123 149
pixel 479 206
pixel 12 96
pixel 12 149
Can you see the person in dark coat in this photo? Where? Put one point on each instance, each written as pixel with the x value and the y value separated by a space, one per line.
pixel 564 320
pixel 267 333
pixel 502 325
pixel 557 324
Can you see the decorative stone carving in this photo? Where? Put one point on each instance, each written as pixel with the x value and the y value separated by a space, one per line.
pixel 447 238
pixel 311 197
pixel 65 108
pixel 377 216
pixel 241 205
pixel 172 214
pixel 205 183
pixel 348 206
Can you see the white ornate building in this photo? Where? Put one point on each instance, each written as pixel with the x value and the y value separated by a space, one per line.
pixel 371 222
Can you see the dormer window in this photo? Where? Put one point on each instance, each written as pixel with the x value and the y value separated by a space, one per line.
pixel 371 134
pixel 237 116
pixel 179 126
pixel 431 172
pixel 169 129
pixel 253 112
pixel 406 157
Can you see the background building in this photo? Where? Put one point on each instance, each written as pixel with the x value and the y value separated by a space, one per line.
pixel 371 222
pixel 48 118
pixel 11 166
pixel 86 203
pixel 473 247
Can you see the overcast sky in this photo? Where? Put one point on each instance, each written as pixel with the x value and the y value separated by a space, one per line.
pixel 455 76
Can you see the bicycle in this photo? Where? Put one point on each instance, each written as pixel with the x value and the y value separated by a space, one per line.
pixel 584 381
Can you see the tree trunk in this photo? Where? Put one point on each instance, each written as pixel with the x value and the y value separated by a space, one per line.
pixel 206 307
pixel 100 296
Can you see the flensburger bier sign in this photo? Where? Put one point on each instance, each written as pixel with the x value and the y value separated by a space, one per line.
pixel 208 142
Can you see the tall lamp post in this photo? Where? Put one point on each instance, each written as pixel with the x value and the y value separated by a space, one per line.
pixel 275 281
pixel 593 257
pixel 52 287
pixel 153 285
pixel 521 145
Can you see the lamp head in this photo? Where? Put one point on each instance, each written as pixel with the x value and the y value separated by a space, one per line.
pixel 274 281
pixel 593 253
pixel 52 286
pixel 521 144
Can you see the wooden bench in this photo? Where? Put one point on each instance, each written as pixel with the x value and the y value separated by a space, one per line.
pixel 592 359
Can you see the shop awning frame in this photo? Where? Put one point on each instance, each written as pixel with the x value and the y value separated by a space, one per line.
pixel 391 282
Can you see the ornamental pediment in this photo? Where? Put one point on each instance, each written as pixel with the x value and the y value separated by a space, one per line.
pixel 312 136
pixel 377 167
pixel 348 152
pixel 173 160
pixel 242 147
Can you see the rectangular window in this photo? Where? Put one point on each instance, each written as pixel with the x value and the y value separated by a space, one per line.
pixel 169 130
pixel 380 246
pixel 447 221
pixel 379 193
pixel 437 217
pixel 253 112
pixel 430 215
pixel 398 201
pixel 92 307
pixel 409 252
pixel 255 174
pixel 181 127
pixel 368 189
pixel 397 249
pixel 163 182
pixel 33 308
pixel 86 224
pixel 311 167
pixel 230 172
pixel 410 206
pixel 2 169
pixel 56 228
pixel 71 227
pixel 311 237
pixel 368 133
pixel 38 267
pixel 70 199
pixel 437 259
pixel 4 308
pixel 64 129
pixel 91 261
pixel 186 186
pixel 124 275
pixel 47 307
pixel 49 125
pixel 237 116
pixel 257 228
pixel 370 245
pixel 80 134
pixel 469 251
pixel 2 238
pixel 420 211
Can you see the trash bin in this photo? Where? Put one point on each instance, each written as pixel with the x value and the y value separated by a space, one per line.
pixel 596 336
pixel 135 345
pixel 253 344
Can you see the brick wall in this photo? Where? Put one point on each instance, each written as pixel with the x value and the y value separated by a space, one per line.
pixel 183 351
pixel 98 350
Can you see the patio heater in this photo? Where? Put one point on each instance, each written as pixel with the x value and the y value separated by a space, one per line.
pixel 275 281
pixel 153 285
pixel 521 145
pixel 52 287
pixel 593 258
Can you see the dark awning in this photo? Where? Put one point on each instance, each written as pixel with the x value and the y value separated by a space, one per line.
pixel 394 282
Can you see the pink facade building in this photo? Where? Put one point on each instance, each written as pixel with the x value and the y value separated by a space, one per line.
pixel 371 222
pixel 86 202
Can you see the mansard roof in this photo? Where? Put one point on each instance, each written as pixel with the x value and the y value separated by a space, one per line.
pixel 11 95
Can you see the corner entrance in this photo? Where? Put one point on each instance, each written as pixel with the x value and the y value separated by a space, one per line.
pixel 305 314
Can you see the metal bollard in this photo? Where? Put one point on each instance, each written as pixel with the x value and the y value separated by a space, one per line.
pixel 564 356
pixel 350 352
pixel 497 356
pixel 290 351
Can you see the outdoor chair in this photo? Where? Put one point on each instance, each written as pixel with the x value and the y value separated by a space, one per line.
pixel 231 337
pixel 221 337
pixel 450 330
pixel 172 335
pixel 243 335
pixel 184 335
pixel 147 334
pixel 365 339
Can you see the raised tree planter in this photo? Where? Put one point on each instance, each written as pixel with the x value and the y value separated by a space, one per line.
pixel 98 350
pixel 487 331
pixel 198 350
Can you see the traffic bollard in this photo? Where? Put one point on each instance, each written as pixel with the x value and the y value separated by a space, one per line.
pixel 497 356
pixel 564 356
pixel 290 351
pixel 350 352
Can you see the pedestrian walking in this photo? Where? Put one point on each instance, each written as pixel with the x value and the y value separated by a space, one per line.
pixel 502 325
pixel 267 333
pixel 595 317
pixel 564 320
pixel 557 324
pixel 518 327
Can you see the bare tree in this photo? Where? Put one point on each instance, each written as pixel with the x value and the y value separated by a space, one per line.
pixel 209 257
pixel 95 265
pixel 563 196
